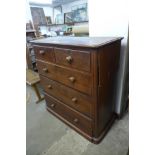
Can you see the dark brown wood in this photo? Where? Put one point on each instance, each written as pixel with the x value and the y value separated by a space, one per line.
pixel 107 67
pixel 74 99
pixel 44 53
pixel 74 117
pixel 84 134
pixel 90 42
pixel 80 83
pixel 98 139
pixel 71 58
pixel 72 78
pixel 30 58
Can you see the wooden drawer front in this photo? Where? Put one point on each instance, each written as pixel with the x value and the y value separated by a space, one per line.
pixel 44 53
pixel 73 79
pixel 72 58
pixel 70 115
pixel 67 95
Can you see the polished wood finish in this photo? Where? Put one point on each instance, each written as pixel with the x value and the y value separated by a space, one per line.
pixel 74 59
pixel 44 53
pixel 74 99
pixel 108 58
pixel 80 81
pixel 72 78
pixel 69 114
pixel 89 42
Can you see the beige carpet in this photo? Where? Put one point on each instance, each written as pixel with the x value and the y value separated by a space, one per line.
pixel 69 144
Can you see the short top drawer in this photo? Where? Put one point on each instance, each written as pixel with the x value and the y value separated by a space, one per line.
pixel 73 58
pixel 44 53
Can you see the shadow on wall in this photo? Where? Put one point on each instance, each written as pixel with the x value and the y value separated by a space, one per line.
pixel 121 77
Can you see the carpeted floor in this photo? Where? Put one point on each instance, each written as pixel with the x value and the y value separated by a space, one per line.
pixel 46 135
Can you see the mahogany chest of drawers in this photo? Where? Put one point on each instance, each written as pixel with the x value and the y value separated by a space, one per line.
pixel 78 77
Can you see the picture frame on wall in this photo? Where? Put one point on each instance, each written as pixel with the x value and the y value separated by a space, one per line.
pixel 80 13
pixel 57 11
pixel 59 19
pixel 68 18
pixel 75 7
pixel 48 20
pixel 38 16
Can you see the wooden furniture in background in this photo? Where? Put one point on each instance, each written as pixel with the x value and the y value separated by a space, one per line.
pixel 28 59
pixel 30 56
pixel 32 79
pixel 78 76
pixel 30 33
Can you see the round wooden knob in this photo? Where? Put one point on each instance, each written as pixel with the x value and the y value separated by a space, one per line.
pixel 76 120
pixel 72 79
pixel 74 99
pixel 52 105
pixel 69 59
pixel 45 70
pixel 42 52
pixel 49 86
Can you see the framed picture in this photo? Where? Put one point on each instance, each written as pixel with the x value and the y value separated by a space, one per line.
pixel 59 19
pixel 75 7
pixel 68 17
pixel 80 13
pixel 56 12
pixel 38 16
pixel 48 20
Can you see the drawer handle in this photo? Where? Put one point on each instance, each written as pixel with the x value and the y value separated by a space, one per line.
pixel 76 120
pixel 49 86
pixel 74 99
pixel 42 52
pixel 69 59
pixel 72 79
pixel 45 70
pixel 52 105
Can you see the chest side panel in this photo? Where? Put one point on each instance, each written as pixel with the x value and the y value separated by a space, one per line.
pixel 108 60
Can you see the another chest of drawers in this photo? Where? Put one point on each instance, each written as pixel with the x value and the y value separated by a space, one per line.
pixel 78 77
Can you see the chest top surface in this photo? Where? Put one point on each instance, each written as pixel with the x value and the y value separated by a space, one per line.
pixel 92 42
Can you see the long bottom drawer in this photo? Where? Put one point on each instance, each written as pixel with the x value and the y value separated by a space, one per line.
pixel 74 117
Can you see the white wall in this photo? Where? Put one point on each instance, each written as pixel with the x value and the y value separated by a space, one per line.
pixel 28 12
pixel 48 11
pixel 110 18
